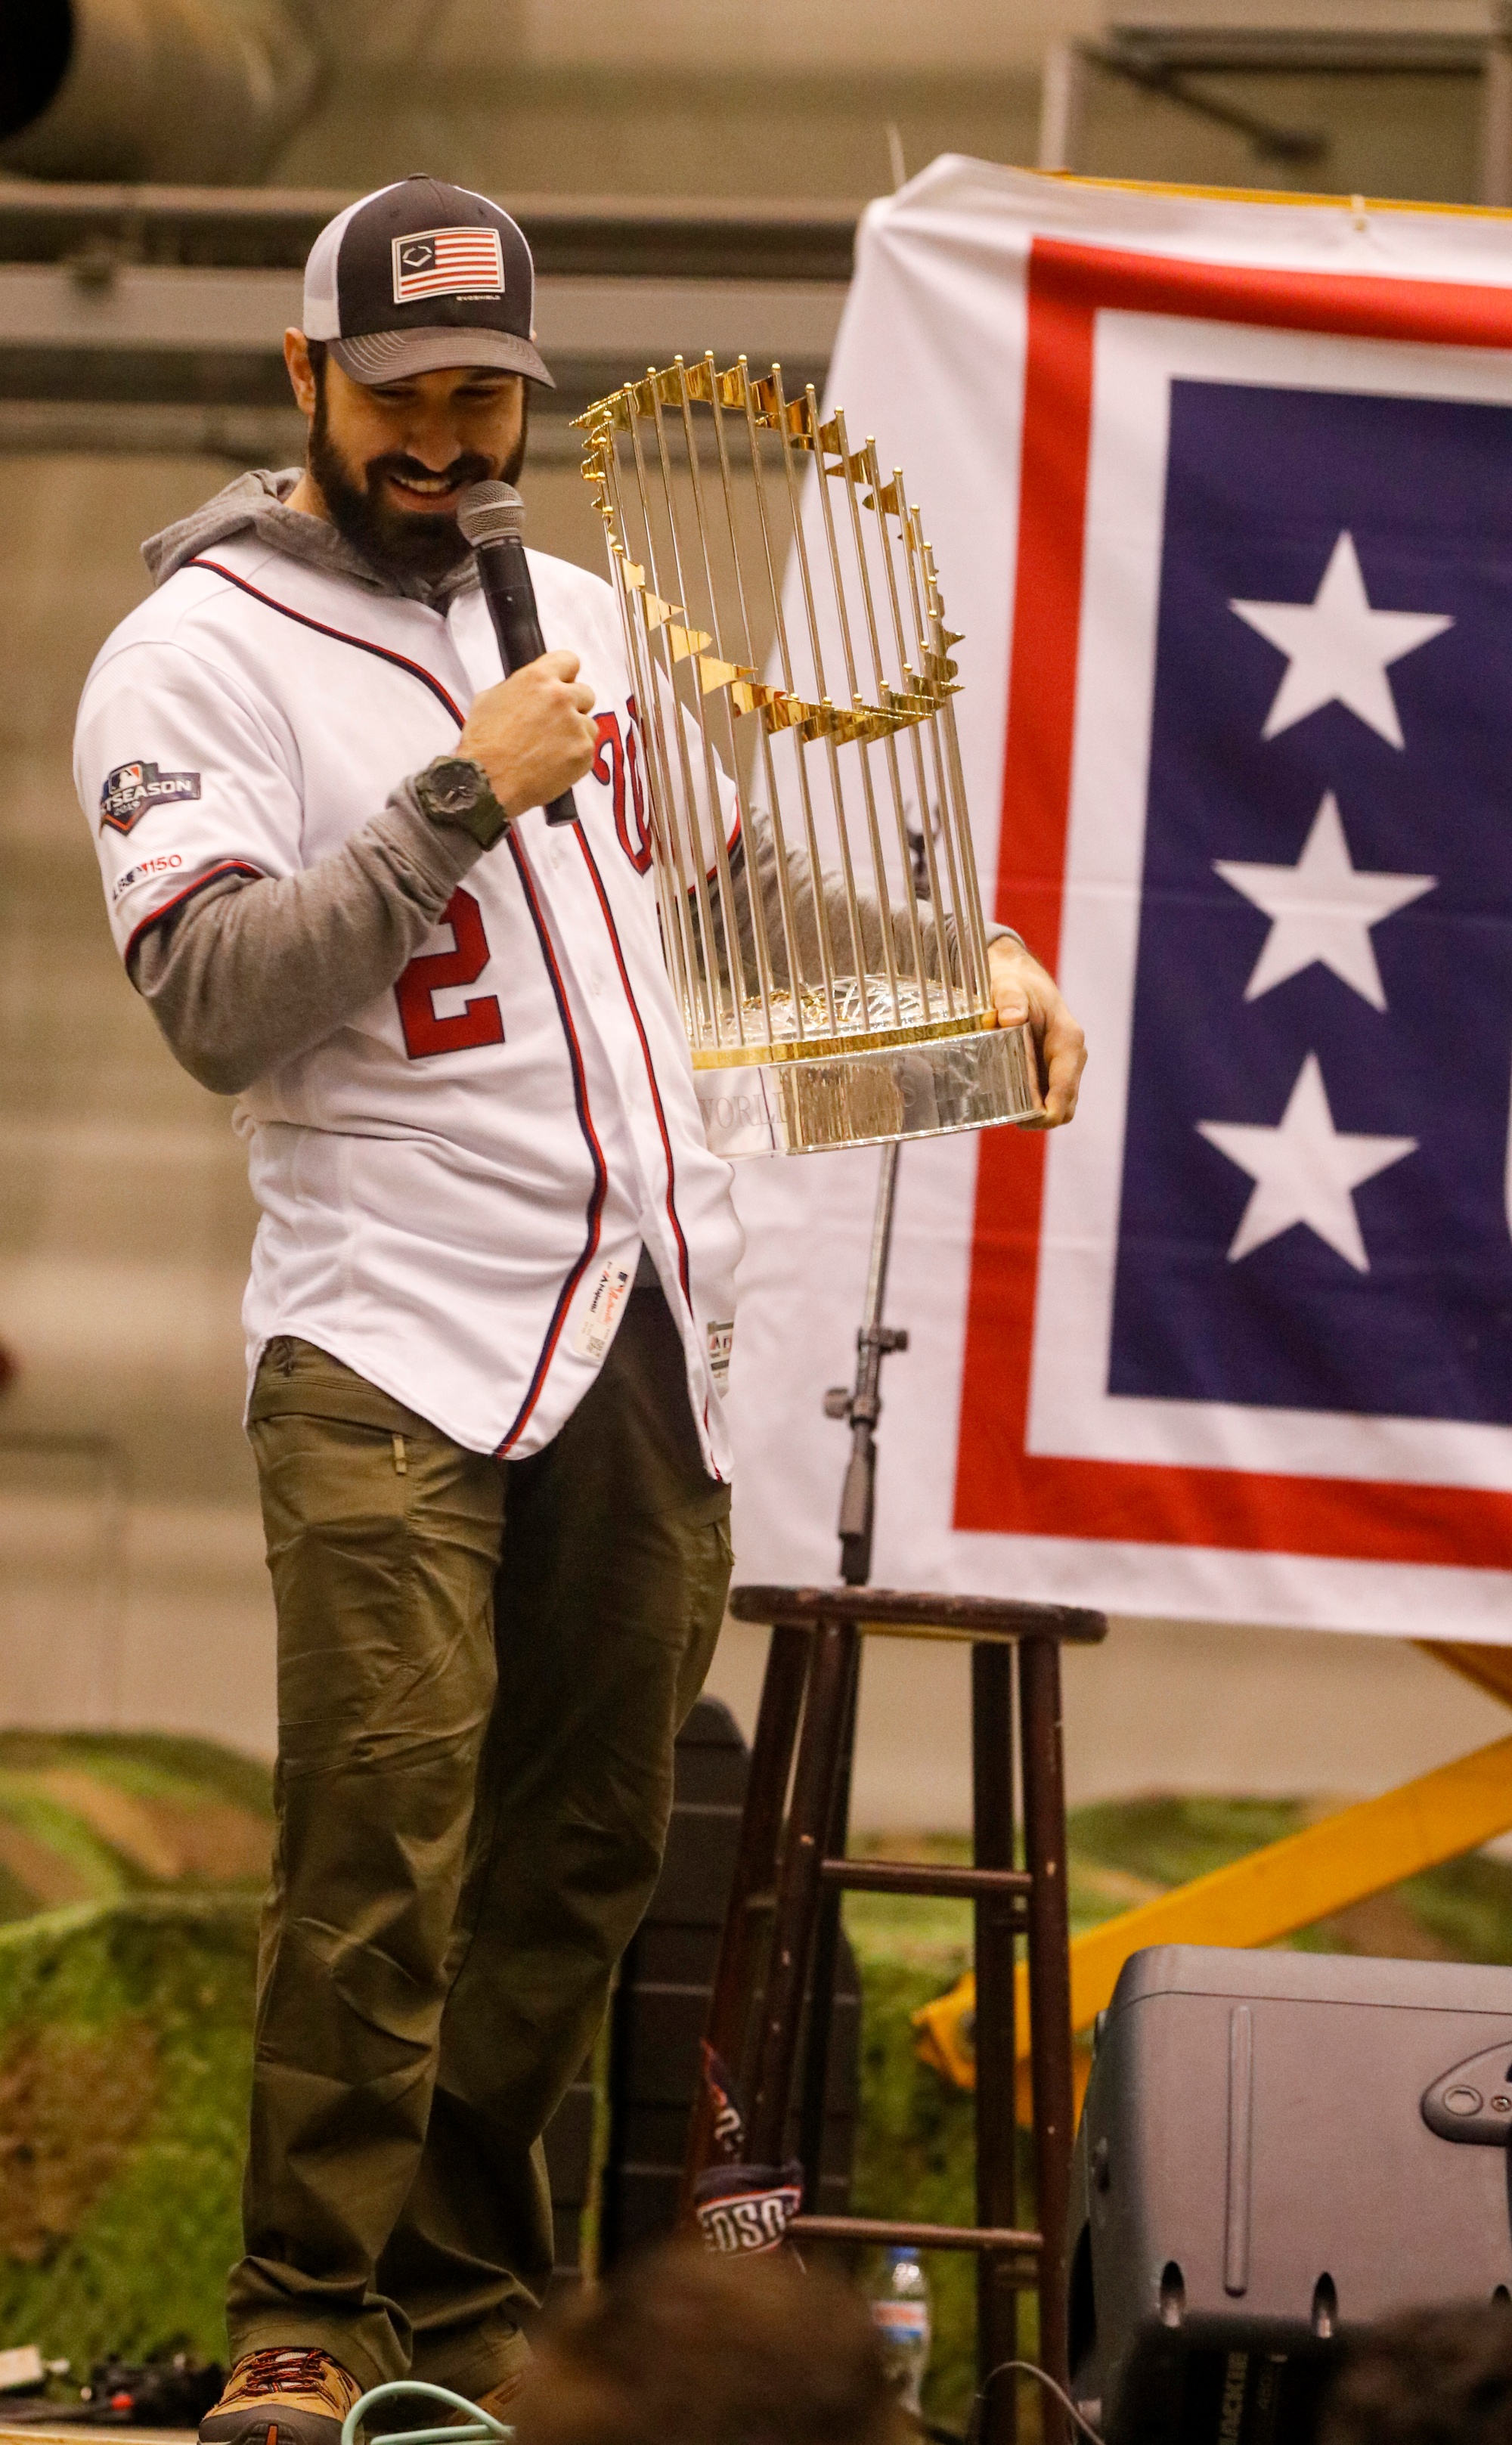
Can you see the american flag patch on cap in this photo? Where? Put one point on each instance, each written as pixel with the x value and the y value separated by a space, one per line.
pixel 448 263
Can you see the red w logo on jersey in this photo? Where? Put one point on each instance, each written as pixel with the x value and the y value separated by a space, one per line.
pixel 623 749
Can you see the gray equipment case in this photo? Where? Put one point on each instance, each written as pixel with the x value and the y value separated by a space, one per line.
pixel 1276 2147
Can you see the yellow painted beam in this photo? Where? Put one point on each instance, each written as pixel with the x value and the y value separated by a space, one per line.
pixel 1307 1876
pixel 1273 1892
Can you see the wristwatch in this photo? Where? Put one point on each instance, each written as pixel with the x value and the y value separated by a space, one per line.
pixel 454 790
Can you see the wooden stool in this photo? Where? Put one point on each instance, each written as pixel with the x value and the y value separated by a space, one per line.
pixel 788 1886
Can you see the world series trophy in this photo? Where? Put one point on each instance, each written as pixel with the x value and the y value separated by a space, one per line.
pixel 820 911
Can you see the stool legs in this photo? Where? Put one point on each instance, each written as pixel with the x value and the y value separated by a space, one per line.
pixel 831 1670
pixel 760 1834
pixel 1050 1992
pixel 808 1704
pixel 815 2095
pixel 992 1810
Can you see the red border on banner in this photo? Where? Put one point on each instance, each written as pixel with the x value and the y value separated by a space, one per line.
pixel 1000 1488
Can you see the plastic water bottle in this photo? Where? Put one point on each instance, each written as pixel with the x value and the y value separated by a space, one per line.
pixel 900 2310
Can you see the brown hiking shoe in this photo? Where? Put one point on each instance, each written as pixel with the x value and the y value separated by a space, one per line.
pixel 291 2396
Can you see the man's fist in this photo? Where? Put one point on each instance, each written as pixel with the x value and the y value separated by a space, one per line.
pixel 1022 989
pixel 533 733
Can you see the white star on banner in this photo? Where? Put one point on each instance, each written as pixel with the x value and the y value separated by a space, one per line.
pixel 1304 1170
pixel 1322 908
pixel 1338 649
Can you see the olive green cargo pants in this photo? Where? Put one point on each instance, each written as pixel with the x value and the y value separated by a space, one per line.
pixel 482 1671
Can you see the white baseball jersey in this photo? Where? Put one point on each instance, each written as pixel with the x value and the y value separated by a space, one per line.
pixel 456 1186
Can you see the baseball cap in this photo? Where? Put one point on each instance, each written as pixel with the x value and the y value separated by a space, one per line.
pixel 420 275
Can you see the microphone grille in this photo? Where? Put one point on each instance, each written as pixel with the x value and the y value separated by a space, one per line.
pixel 488 513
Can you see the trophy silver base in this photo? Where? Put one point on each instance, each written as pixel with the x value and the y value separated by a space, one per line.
pixel 914 1090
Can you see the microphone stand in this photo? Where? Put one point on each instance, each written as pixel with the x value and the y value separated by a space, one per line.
pixel 860 1406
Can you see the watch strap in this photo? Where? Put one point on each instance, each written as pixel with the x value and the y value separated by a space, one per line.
pixel 484 818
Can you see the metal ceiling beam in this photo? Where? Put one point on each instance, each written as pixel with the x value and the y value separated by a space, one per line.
pixel 1146 66
pixel 246 437
pixel 151 334
pixel 243 436
pixel 152 307
pixel 271 228
pixel 146 301
pixel 1162 57
pixel 1319 51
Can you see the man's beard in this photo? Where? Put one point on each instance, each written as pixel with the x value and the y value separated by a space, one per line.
pixel 401 544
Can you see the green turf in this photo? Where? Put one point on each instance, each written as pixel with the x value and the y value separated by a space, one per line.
pixel 914 2155
pixel 95 1817
pixel 125 2029
pixel 1464 1904
pixel 124 2071
pixel 152 1764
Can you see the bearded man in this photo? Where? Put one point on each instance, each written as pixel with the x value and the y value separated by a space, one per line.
pixel 489 1298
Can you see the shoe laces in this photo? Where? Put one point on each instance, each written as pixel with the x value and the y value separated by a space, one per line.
pixel 286 2370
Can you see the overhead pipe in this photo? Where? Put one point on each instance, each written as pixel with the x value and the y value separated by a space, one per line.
pixel 179 92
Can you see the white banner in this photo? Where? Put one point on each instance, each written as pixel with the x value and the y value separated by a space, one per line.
pixel 1221 492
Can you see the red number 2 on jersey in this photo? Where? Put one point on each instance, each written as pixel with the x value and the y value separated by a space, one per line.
pixel 477 1022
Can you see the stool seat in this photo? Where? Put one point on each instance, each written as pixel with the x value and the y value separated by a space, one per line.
pixel 791 1868
pixel 917 1615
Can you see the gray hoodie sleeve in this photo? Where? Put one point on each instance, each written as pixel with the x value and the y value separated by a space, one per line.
pixel 249 974
pixel 758 832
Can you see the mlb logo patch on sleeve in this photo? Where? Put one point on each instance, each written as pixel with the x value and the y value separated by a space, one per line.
pixel 131 788
pixel 448 263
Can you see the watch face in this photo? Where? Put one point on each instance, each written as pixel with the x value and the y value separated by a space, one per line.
pixel 454 785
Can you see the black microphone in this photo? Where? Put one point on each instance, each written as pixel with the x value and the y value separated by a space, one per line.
pixel 492 517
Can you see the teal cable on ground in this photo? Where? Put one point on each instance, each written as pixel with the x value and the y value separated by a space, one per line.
pixel 478 2428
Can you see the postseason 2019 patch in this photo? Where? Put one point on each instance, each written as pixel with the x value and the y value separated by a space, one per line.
pixel 131 788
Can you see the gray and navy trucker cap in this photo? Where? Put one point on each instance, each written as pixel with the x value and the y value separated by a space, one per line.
pixel 421 275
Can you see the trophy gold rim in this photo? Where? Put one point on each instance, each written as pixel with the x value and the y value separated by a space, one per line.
pixel 834 1047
